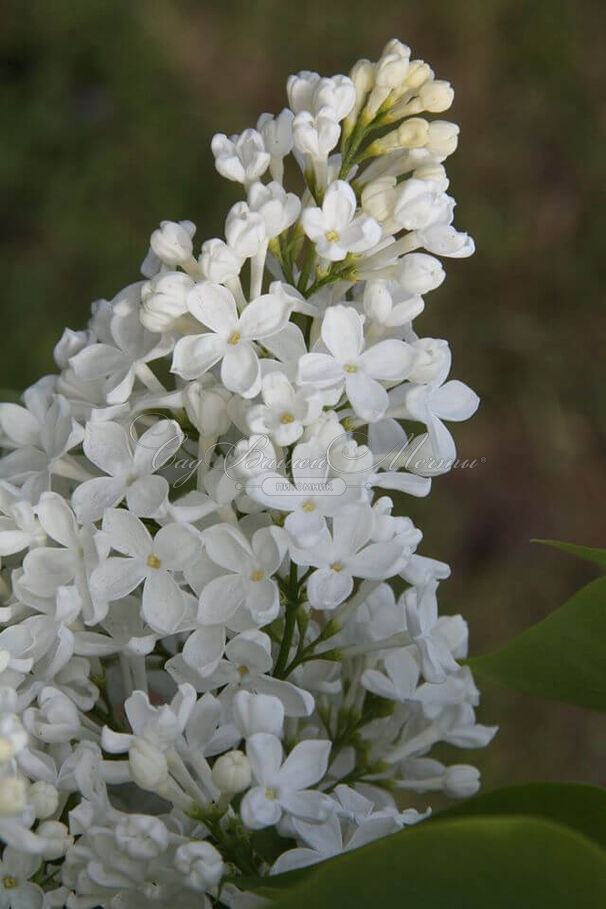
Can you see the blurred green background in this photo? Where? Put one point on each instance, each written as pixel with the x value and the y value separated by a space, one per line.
pixel 108 110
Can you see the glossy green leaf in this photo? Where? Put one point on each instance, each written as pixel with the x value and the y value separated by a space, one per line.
pixel 588 553
pixel 563 657
pixel 577 805
pixel 471 863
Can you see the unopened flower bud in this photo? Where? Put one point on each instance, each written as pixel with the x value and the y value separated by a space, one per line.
pixel 219 262
pixel 13 795
pixel 147 765
pixel 413 132
pixel 278 208
pixel 141 836
pixel 417 74
pixel 206 407
pixel 442 138
pixel 44 798
pixel 461 781
pixel 172 242
pixel 6 750
pixel 231 772
pixel 378 198
pixel 57 839
pixel 258 713
pixel 419 273
pixel 277 132
pixel 392 68
pixel 432 362
pixel 164 300
pixel 70 343
pixel 244 230
pixel 436 173
pixel 240 158
pixel 201 864
pixel 13 737
pixel 436 96
pixel 363 77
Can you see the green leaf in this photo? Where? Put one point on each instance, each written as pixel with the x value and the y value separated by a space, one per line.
pixel 472 863
pixel 563 657
pixel 577 805
pixel 598 556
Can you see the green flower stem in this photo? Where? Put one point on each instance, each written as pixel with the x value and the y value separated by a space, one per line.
pixel 291 596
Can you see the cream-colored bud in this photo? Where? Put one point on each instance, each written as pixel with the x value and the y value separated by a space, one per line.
pixel 410 134
pixel 231 772
pixel 56 839
pixel 13 795
pixel 436 173
pixel 6 750
pixel 147 765
pixel 461 781
pixel 44 798
pixel 206 405
pixel 363 77
pixel 392 68
pixel 413 133
pixel 436 96
pixel 418 73
pixel 378 198
pixel 442 138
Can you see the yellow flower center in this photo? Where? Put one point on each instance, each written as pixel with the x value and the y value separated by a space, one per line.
pixel 153 561
pixel 242 671
pixel 10 882
pixel 271 794
pixel 287 418
pixel 350 367
pixel 331 235
pixel 308 507
pixel 257 575
pixel 336 566
pixel 234 337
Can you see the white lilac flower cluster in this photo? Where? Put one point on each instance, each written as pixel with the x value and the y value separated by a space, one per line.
pixel 204 670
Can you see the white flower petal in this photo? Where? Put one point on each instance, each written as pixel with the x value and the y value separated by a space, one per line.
pixel 214 306
pixel 92 497
pixel 367 397
pixel 240 369
pixel 106 445
pixel 162 605
pixel 145 496
pixel 264 317
pixel 264 751
pixel 126 533
pixel 220 599
pixel 196 354
pixel 116 577
pixel 342 332
pixel 320 370
pixel 327 588
pixel 454 401
pixel 389 360
pixel 305 765
pixel 156 446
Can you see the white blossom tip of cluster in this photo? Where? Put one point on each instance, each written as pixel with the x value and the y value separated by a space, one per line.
pixel 200 637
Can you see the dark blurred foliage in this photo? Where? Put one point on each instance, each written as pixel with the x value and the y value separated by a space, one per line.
pixel 108 110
